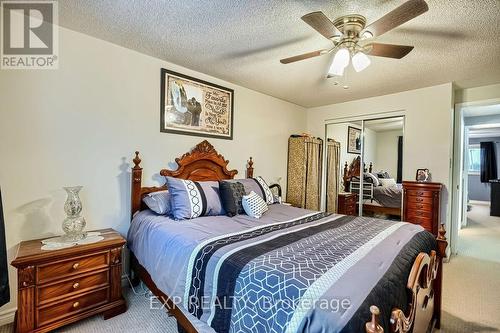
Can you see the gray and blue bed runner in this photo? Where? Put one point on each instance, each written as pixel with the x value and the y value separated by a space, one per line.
pixel 315 273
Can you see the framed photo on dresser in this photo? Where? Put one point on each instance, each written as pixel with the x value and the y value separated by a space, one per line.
pixel 191 106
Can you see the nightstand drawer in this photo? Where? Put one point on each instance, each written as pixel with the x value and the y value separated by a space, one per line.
pixel 72 286
pixel 350 199
pixel 73 266
pixel 72 306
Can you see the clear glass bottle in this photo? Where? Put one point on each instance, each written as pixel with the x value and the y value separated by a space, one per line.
pixel 73 224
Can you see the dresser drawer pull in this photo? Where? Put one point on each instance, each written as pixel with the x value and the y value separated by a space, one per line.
pixel 76 285
pixel 419 206
pixel 76 304
pixel 419 199
pixel 420 194
pixel 75 266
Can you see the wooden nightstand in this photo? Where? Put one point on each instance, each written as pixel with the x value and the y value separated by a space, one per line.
pixel 59 287
pixel 347 203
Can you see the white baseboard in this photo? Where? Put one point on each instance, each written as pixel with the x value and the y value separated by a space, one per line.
pixel 7 316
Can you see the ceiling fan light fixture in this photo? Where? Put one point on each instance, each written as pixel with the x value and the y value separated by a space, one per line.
pixel 360 61
pixel 340 62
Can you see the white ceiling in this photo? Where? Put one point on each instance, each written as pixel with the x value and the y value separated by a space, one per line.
pixel 242 41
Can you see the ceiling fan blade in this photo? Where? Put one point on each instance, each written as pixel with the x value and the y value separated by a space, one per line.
pixel 303 56
pixel 407 11
pixel 322 24
pixel 388 50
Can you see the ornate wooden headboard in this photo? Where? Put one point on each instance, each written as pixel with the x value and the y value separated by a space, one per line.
pixel 353 170
pixel 201 163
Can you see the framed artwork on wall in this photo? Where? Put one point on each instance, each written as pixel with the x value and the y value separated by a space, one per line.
pixel 353 140
pixel 191 106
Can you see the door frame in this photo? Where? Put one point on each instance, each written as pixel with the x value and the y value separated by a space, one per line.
pixel 459 174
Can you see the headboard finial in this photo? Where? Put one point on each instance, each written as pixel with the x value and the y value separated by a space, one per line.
pixel 137 161
pixel 250 168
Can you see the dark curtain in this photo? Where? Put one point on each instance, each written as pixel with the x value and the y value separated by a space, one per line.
pixel 4 273
pixel 488 162
pixel 399 178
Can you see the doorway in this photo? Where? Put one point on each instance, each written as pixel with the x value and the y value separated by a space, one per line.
pixel 476 222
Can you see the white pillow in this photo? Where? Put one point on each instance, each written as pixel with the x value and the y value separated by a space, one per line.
pixel 387 182
pixel 158 202
pixel 254 205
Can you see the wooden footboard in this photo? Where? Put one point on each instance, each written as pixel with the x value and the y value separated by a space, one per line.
pixel 424 282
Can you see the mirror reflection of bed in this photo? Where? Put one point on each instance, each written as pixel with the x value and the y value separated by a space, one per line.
pixel 379 159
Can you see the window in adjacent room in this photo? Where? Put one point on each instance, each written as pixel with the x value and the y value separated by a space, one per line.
pixel 474 159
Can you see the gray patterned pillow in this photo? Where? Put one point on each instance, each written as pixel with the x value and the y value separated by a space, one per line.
pixel 254 205
pixel 158 202
pixel 231 194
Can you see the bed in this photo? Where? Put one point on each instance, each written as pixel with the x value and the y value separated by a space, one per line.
pixel 376 199
pixel 289 271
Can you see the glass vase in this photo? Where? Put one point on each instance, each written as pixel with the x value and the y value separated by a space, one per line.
pixel 73 224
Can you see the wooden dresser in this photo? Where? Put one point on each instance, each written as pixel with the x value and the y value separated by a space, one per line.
pixel 347 203
pixel 59 287
pixel 422 204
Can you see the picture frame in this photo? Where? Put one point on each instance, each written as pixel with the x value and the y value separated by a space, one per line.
pixel 423 175
pixel 353 140
pixel 190 106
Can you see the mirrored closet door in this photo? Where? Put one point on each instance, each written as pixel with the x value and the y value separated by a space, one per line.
pixel 371 148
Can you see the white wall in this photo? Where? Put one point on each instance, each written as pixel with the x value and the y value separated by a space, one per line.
pixel 428 128
pixel 338 132
pixel 477 94
pixel 80 124
pixel 387 152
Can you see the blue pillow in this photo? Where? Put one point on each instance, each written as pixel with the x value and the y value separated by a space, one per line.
pixel 190 199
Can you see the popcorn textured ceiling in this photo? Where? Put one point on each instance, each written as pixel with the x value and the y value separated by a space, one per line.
pixel 242 41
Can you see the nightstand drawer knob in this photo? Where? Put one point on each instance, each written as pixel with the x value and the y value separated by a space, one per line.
pixel 25 284
pixel 76 285
pixel 76 304
pixel 76 265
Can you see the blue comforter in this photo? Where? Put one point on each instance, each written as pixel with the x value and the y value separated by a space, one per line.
pixel 293 270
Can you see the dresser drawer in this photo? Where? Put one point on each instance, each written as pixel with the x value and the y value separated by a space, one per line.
pixel 72 286
pixel 418 213
pixel 74 266
pixel 419 193
pixel 72 306
pixel 425 222
pixel 420 200
pixel 417 206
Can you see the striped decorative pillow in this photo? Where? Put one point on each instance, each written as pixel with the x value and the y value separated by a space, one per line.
pixel 190 199
pixel 254 205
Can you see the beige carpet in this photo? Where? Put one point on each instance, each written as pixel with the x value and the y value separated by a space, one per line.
pixel 481 238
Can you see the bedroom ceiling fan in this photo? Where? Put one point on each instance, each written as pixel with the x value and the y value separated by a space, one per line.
pixel 348 34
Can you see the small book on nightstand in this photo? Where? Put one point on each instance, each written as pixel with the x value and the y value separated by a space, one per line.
pixel 58 287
